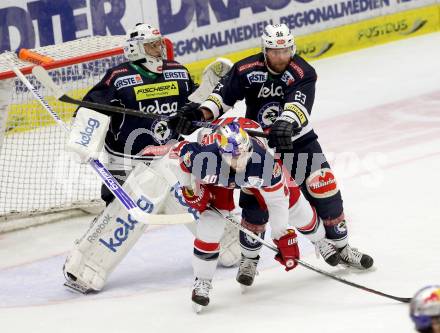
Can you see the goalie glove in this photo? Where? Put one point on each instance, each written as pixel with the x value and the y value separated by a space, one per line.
pixel 87 135
pixel 210 77
pixel 288 250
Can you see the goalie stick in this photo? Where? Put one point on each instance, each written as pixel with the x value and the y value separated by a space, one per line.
pixel 106 177
pixel 307 265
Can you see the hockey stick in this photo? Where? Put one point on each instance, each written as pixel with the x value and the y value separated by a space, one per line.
pixel 43 76
pixel 106 177
pixel 307 265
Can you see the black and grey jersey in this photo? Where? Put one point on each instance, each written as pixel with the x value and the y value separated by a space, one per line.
pixel 130 85
pixel 266 95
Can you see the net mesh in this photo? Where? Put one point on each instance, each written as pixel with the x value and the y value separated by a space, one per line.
pixel 36 174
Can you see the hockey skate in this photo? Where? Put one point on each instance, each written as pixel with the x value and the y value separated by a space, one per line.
pixel 328 251
pixel 76 286
pixel 351 257
pixel 200 294
pixel 247 271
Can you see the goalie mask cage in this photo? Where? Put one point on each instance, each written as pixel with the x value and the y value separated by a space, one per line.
pixel 38 179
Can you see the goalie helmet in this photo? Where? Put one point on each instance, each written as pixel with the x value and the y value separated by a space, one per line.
pixel 277 36
pixel 134 48
pixel 425 306
pixel 235 145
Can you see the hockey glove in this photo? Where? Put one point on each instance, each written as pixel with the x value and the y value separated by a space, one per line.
pixel 288 250
pixel 182 122
pixel 282 131
pixel 200 201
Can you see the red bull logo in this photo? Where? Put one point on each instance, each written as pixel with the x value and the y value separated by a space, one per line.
pixel 434 297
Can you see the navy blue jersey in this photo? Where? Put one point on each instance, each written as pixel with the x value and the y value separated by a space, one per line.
pixel 266 95
pixel 131 86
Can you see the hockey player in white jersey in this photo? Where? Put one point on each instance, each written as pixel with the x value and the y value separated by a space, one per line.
pixel 132 142
pixel 226 160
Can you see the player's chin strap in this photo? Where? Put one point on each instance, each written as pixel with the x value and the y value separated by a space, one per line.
pixel 305 264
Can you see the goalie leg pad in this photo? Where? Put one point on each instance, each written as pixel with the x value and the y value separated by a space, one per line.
pixel 230 252
pixel 114 232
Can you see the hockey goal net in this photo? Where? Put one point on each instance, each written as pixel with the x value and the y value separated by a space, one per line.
pixel 37 177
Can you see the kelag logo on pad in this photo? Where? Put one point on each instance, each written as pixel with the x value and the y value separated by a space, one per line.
pixel 156 90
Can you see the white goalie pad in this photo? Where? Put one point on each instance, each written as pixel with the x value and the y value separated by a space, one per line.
pixel 230 250
pixel 88 132
pixel 114 232
pixel 210 77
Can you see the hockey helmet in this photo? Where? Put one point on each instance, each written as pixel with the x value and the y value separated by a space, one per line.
pixel 425 306
pixel 235 145
pixel 277 36
pixel 134 48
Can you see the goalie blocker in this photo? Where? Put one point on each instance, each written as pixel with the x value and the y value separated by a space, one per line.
pixel 87 135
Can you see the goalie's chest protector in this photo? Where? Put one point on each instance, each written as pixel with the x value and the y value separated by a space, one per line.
pixel 160 94
pixel 163 94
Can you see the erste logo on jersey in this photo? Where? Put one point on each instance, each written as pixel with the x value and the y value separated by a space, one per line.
pixel 127 81
pixel 176 74
pixel 270 92
pixel 157 90
pixel 268 114
pixel 257 77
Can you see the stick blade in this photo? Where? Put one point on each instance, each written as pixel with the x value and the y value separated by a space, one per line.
pixel 43 76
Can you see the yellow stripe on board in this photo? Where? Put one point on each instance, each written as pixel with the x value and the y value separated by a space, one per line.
pixel 29 116
pixel 350 37
pixel 380 30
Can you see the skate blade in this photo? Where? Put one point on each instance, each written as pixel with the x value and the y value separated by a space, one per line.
pixel 356 269
pixel 197 307
pixel 75 287
pixel 244 289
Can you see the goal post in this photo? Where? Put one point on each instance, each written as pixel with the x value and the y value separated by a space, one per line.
pixel 37 176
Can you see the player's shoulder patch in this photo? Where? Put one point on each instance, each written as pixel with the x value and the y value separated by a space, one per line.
pixel 171 64
pixel 250 63
pixel 122 69
pixel 302 68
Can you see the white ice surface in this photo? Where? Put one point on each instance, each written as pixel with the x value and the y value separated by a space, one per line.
pixel 377 113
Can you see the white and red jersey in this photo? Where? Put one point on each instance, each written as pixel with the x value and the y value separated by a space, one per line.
pixel 263 176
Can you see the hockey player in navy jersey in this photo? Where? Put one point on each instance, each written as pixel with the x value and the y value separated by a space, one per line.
pixel 278 87
pixel 229 159
pixel 150 83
